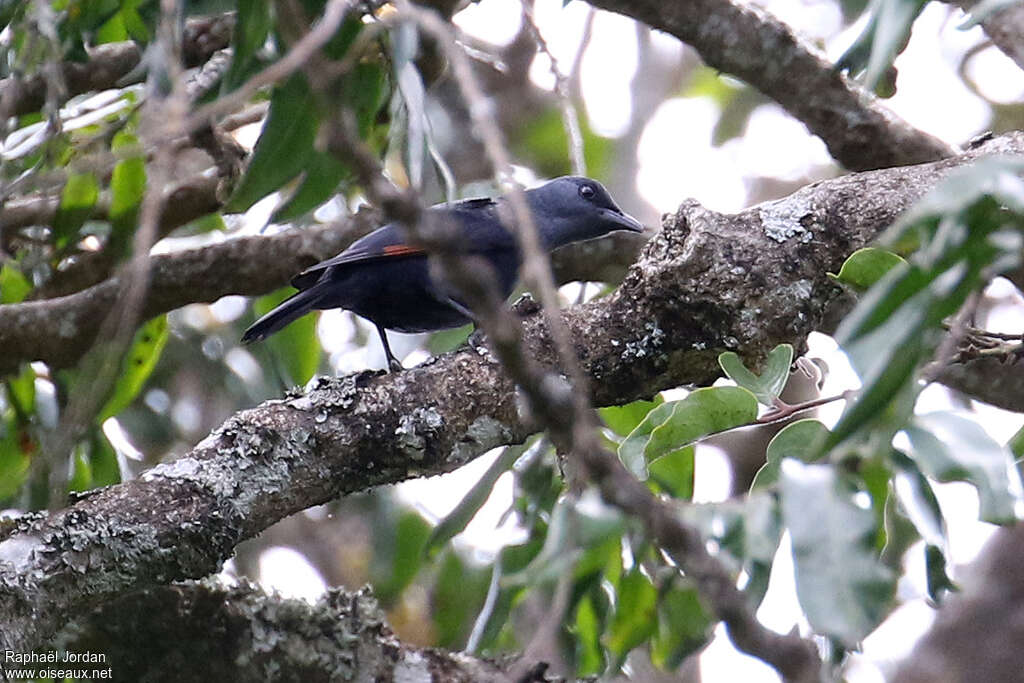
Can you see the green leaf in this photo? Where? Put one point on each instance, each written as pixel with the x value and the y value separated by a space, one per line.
pixel 673 473
pixel 21 391
pixel 511 559
pixel 295 349
pixel 102 460
pixel 283 147
pixel 866 266
pixel 112 31
pixel 959 194
pixel 876 475
pixel 81 472
pixel 843 589
pixel 127 187
pixel 635 617
pixel 15 460
pixel 1016 444
pixel 211 222
pixel 250 34
pixel 364 91
pixel 670 426
pixel 571 534
pixel 918 501
pixel 457 520
pixel 747 530
pixel 624 419
pixel 406 556
pixel 967 230
pixel 77 200
pixel 13 285
pixel 457 596
pixel 684 626
pixel 346 34
pixel 587 629
pixel 801 440
pixel 544 141
pixel 767 386
pixel 322 175
pixel 138 365
pixel 884 37
pixel 448 340
pixel 950 447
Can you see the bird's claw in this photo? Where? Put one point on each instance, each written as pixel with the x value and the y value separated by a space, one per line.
pixel 477 339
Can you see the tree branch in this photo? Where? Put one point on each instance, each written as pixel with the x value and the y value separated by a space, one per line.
pixel 747 42
pixel 204 631
pixel 183 202
pixel 109 64
pixel 250 266
pixel 705 284
pixel 841 215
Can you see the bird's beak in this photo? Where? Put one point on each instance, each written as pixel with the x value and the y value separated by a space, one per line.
pixel 622 221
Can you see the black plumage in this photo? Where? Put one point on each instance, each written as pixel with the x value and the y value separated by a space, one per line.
pixel 387 281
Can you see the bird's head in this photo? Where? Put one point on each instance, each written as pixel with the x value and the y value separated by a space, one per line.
pixel 572 208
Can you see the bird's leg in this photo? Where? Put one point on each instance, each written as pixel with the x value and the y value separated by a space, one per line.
pixel 393 363
pixel 476 337
pixel 463 309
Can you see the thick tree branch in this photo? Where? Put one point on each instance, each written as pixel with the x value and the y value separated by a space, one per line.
pixel 197 632
pixel 109 64
pixel 706 283
pixel 250 266
pixel 564 409
pixel 747 42
pixel 59 330
pixel 183 202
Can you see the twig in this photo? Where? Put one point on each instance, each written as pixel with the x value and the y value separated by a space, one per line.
pixel 253 114
pixel 119 327
pixel 480 625
pixel 785 410
pixel 572 429
pixel 536 266
pixel 570 118
pixel 958 329
pixel 575 78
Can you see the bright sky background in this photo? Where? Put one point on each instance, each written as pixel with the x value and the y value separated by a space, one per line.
pixel 930 96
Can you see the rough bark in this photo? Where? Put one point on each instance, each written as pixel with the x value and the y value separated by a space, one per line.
pixel 205 631
pixel 705 284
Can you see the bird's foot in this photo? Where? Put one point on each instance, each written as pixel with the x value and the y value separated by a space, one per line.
pixel 477 339
pixel 525 306
pixel 394 365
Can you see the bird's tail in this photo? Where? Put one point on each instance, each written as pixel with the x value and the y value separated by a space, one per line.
pixel 288 310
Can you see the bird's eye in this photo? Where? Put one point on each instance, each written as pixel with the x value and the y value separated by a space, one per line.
pixel 587 191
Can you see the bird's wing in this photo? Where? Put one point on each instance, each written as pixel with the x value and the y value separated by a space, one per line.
pixel 381 244
pixel 476 216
